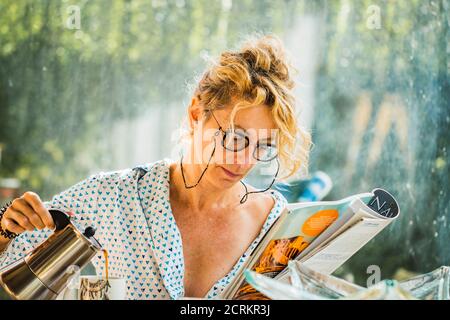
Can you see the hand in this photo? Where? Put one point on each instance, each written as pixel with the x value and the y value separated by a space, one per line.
pixel 27 213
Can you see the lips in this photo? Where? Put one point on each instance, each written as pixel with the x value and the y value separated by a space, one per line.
pixel 230 174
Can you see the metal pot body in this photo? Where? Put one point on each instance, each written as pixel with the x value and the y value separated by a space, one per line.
pixel 47 270
pixel 22 284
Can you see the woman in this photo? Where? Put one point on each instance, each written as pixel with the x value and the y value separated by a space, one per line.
pixel 184 228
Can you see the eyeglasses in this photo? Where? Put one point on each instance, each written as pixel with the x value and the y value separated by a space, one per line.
pixel 237 139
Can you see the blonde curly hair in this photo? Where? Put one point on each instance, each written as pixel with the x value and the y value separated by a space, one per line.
pixel 258 73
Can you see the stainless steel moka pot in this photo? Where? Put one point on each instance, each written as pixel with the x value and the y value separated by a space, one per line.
pixel 45 271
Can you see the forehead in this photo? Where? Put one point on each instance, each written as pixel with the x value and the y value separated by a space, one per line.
pixel 255 118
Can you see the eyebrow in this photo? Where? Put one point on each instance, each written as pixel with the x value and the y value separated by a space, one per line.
pixel 267 140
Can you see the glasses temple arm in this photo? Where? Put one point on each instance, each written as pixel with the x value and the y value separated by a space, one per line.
pixel 245 196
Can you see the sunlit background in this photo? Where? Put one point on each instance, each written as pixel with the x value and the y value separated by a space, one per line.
pixel 107 91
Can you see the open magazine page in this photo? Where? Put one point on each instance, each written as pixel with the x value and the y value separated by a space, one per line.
pixel 371 218
pixel 304 284
pixel 332 256
pixel 320 283
pixel 350 216
pixel 363 221
pixel 297 230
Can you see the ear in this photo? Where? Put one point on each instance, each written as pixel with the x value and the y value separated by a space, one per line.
pixel 195 111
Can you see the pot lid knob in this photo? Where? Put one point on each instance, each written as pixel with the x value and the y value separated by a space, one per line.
pixel 89 232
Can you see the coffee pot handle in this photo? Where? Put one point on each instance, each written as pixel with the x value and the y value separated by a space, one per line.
pixel 60 219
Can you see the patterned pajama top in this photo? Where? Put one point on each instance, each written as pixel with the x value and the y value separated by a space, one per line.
pixel 131 212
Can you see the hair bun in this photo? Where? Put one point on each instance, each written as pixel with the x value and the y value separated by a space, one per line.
pixel 266 55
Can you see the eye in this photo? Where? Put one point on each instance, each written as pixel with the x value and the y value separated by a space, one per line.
pixel 235 140
pixel 266 152
pixel 265 144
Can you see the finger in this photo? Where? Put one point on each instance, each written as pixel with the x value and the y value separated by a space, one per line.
pixel 23 207
pixel 11 226
pixel 35 201
pixel 19 219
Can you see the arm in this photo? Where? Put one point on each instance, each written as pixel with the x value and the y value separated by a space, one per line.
pixel 81 199
pixel 4 242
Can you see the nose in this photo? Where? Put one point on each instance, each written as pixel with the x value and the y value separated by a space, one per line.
pixel 244 158
pixel 241 158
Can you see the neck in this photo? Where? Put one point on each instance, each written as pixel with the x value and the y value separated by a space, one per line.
pixel 204 196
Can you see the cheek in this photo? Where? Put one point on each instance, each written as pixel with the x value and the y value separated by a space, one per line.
pixel 202 141
pixel 243 158
pixel 203 150
pixel 221 156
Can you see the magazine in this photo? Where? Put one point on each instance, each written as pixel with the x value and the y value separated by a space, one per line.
pixel 321 235
pixel 307 284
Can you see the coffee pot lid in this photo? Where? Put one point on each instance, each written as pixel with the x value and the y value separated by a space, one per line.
pixel 62 220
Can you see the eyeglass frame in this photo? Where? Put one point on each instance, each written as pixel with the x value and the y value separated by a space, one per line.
pixel 245 196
